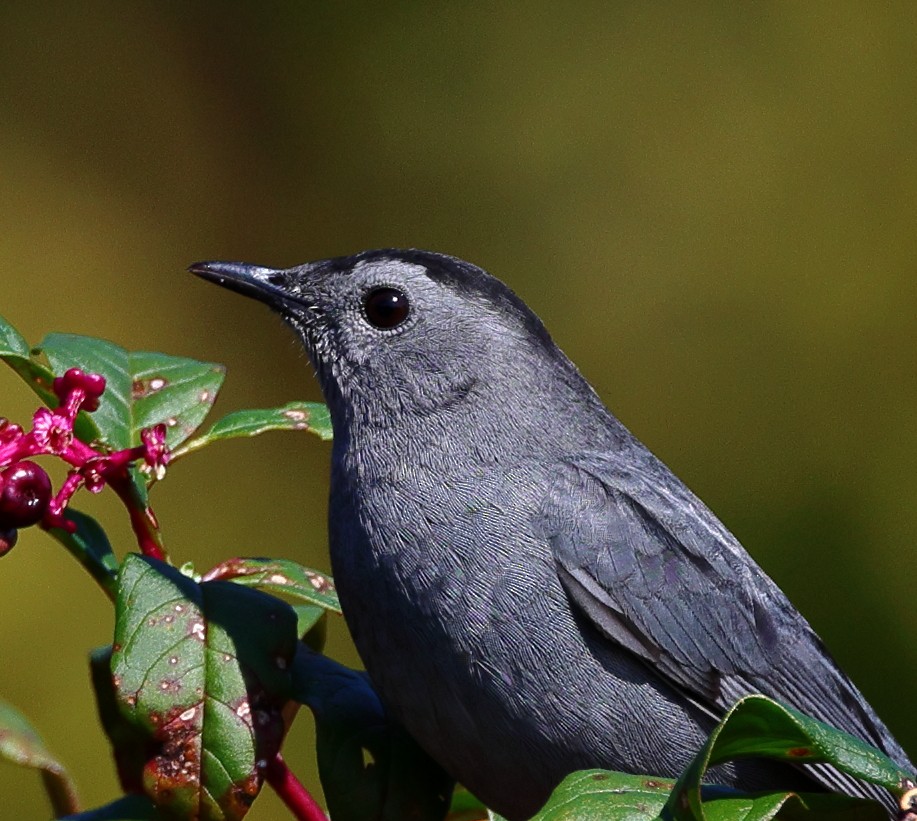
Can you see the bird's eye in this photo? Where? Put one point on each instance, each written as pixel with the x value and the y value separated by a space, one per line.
pixel 386 307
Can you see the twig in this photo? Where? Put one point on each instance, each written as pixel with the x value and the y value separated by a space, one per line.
pixel 292 792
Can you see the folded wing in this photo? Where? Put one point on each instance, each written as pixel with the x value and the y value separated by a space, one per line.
pixel 656 572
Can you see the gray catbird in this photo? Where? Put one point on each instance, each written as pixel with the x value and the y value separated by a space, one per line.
pixel 531 590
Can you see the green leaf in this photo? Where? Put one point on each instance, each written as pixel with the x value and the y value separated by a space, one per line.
pixel 12 343
pixel 14 350
pixel 174 390
pixel 311 625
pixel 282 577
pixel 758 726
pixel 203 671
pixel 598 795
pixel 90 547
pixel 310 416
pixel 131 746
pixel 111 422
pixel 465 807
pixel 127 808
pixel 755 727
pixel 142 389
pixel 21 744
pixel 370 768
pixel 788 806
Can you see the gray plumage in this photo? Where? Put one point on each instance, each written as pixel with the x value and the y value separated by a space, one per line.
pixel 531 590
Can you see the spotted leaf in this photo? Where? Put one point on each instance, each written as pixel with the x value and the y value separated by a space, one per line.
pixel 281 577
pixel 757 726
pixel 308 416
pixel 598 795
pixel 203 671
pixel 173 390
pixel 142 389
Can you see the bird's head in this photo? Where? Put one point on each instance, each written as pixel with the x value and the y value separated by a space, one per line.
pixel 397 334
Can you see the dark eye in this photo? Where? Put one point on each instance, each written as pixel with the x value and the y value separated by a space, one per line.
pixel 386 307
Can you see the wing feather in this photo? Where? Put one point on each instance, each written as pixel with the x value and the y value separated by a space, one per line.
pixel 655 571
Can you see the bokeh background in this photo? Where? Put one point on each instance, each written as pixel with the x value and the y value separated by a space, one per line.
pixel 711 205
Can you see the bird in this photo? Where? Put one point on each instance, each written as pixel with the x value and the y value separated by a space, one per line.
pixel 531 590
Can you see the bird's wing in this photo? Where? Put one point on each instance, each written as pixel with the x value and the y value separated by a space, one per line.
pixel 657 572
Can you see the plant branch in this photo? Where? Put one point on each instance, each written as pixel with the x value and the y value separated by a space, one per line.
pixel 292 792
pixel 143 520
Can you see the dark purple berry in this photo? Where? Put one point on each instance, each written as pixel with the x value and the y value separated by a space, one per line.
pixel 8 540
pixel 24 496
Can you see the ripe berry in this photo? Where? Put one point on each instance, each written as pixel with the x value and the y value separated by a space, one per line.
pixel 24 496
pixel 8 539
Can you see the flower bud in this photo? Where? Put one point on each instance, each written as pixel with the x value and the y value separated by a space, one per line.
pixel 92 386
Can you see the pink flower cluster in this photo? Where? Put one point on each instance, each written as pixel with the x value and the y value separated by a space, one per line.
pixel 25 489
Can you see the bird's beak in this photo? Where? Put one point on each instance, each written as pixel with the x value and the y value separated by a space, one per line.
pixel 264 284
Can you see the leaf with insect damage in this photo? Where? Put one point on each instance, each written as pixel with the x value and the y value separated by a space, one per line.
pixel 203 671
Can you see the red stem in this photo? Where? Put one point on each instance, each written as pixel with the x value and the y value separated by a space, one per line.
pixel 143 521
pixel 292 792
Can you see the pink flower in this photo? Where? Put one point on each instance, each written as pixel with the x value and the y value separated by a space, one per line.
pixel 92 467
pixel 156 453
pixel 9 432
pixel 52 431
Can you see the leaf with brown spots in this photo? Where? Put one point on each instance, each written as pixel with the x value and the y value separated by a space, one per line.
pixel 723 806
pixel 131 746
pixel 202 670
pixel 282 577
pixel 756 726
pixel 599 795
pixel 306 416
pixel 141 389
pixel 173 390
pixel 21 744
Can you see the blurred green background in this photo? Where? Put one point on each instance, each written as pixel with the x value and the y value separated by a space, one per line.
pixel 711 205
